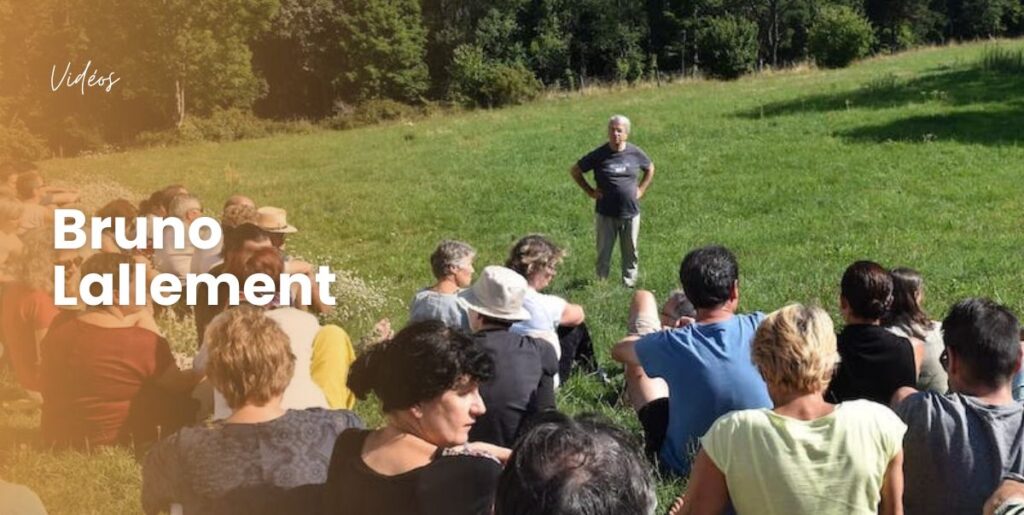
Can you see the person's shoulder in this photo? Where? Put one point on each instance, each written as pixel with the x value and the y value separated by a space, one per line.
pixel 923 407
pixel 339 420
pixel 469 461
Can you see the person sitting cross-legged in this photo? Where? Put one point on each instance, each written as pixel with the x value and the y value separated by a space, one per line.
pixel 705 365
pixel 805 456
pixel 960 445
pixel 246 461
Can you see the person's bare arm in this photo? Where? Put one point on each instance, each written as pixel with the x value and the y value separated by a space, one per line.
pixel 707 492
pixel 625 351
pixel 645 182
pixel 918 346
pixel 899 395
pixel 38 336
pixel 577 175
pixel 572 315
pixel 892 487
pixel 1009 489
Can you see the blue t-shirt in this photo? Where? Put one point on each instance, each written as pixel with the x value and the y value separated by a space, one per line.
pixel 709 373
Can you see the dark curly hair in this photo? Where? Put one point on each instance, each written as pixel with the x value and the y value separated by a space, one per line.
pixel 419 363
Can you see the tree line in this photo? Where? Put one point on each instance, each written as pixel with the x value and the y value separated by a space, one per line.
pixel 184 61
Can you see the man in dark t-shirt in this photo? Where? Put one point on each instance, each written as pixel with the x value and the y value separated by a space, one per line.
pixel 623 173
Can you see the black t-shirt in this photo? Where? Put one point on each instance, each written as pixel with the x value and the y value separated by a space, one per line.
pixel 617 175
pixel 454 482
pixel 874 364
pixel 523 385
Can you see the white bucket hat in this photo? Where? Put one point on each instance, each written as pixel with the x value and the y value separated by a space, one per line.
pixel 498 293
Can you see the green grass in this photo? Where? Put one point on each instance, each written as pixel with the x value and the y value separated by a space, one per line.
pixel 909 160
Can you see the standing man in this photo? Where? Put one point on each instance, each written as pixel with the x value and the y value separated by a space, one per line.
pixel 617 170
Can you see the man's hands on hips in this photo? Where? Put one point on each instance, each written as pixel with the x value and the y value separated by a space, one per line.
pixel 595 193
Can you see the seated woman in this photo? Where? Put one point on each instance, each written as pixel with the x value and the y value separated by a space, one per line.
pixel 908 319
pixel 427 380
pixel 11 245
pixel 244 461
pixel 552 318
pixel 300 327
pixel 452 265
pixel 875 362
pixel 31 191
pixel 109 377
pixel 805 456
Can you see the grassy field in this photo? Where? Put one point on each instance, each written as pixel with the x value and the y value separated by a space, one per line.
pixel 911 160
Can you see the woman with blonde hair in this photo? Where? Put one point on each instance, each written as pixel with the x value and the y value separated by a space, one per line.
pixel 805 456
pixel 246 462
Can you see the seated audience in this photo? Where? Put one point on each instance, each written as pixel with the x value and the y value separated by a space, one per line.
pixel 523 381
pixel 108 375
pixel 300 327
pixel 238 210
pixel 804 456
pixel 569 467
pixel 28 305
pixel 536 259
pixel 452 265
pixel 30 191
pixel 121 209
pixel 427 379
pixel 908 319
pixel 262 448
pixel 960 445
pixel 874 362
pixel 705 364
pixel 333 355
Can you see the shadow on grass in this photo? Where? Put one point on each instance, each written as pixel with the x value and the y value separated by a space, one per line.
pixel 982 127
pixel 998 119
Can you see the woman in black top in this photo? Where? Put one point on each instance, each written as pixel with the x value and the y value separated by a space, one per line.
pixel 874 362
pixel 427 380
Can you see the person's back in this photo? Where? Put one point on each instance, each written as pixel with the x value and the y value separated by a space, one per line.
pixel 431 305
pixel 709 366
pixel 98 384
pixel 302 392
pixel 776 464
pixel 523 384
pixel 203 468
pixel 961 444
pixel 875 363
pixel 958 449
pixel 455 481
pixel 25 311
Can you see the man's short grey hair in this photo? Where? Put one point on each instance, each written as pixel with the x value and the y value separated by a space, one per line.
pixel 182 204
pixel 622 120
pixel 449 255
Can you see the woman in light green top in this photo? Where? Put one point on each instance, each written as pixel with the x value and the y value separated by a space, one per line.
pixel 805 456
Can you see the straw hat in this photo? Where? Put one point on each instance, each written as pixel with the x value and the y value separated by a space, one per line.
pixel 274 219
pixel 498 293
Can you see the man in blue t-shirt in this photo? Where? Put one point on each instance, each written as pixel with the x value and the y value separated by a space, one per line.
pixel 681 379
pixel 622 172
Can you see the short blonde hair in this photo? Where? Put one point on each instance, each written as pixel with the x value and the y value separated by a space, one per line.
pixel 238 214
pixel 795 349
pixel 249 357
